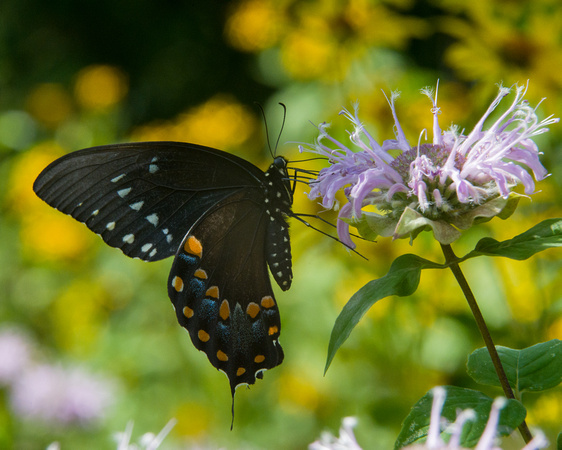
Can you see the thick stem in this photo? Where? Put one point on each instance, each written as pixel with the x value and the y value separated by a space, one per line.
pixel 450 257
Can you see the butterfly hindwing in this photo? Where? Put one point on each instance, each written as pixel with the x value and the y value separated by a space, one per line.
pixel 221 291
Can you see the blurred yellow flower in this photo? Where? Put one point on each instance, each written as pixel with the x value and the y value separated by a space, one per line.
pixel 49 235
pixel 45 233
pixel 309 54
pixel 100 87
pixel 320 39
pixel 555 330
pixel 221 122
pixel 50 104
pixel 296 391
pixel 253 25
pixel 525 299
pixel 77 316
pixel 546 411
pixel 375 24
pixel 20 196
pixel 510 44
pixel 194 419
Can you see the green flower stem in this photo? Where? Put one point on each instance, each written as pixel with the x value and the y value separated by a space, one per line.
pixel 451 259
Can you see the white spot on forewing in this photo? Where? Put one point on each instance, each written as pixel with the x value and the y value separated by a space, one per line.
pixel 110 226
pixel 153 219
pixel 123 192
pixel 165 230
pixel 169 238
pixel 117 178
pixel 96 212
pixel 153 160
pixel 137 206
pixel 279 274
pixel 146 247
pixel 153 168
pixel 129 238
pixel 152 253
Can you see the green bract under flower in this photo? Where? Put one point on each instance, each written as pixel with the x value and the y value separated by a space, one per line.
pixel 449 185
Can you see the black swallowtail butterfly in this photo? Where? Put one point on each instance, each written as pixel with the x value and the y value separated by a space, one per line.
pixel 223 219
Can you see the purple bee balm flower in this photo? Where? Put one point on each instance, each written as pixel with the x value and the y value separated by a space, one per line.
pixel 444 186
pixel 57 395
pixel 15 354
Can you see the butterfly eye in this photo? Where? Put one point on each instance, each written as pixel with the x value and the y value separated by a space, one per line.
pixel 280 162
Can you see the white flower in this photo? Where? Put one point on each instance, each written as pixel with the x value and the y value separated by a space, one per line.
pixel 438 424
pixel 346 440
pixel 147 441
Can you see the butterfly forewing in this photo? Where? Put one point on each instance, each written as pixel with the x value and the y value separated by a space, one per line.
pixel 142 198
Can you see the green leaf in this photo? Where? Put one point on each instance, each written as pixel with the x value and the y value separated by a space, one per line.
pixel 416 426
pixel 559 441
pixel 402 279
pixel 535 368
pixel 542 236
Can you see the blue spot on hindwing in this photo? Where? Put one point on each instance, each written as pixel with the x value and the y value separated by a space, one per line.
pixel 208 310
pixel 190 260
pixel 258 332
pixel 223 335
pixel 197 288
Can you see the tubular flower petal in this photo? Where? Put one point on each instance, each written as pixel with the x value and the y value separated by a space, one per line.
pixel 442 186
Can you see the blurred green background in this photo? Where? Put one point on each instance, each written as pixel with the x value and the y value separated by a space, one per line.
pixel 77 74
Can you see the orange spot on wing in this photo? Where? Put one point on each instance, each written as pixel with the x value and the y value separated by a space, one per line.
pixel 193 246
pixel 252 310
pixel 213 292
pixel 188 312
pixel 240 371
pixel 203 335
pixel 201 274
pixel 224 311
pixel 177 282
pixel 267 301
pixel 259 359
pixel 273 330
pixel 222 356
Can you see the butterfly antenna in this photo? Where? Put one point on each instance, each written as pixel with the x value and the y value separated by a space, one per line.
pixel 266 129
pixel 327 222
pixel 309 159
pixel 282 125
